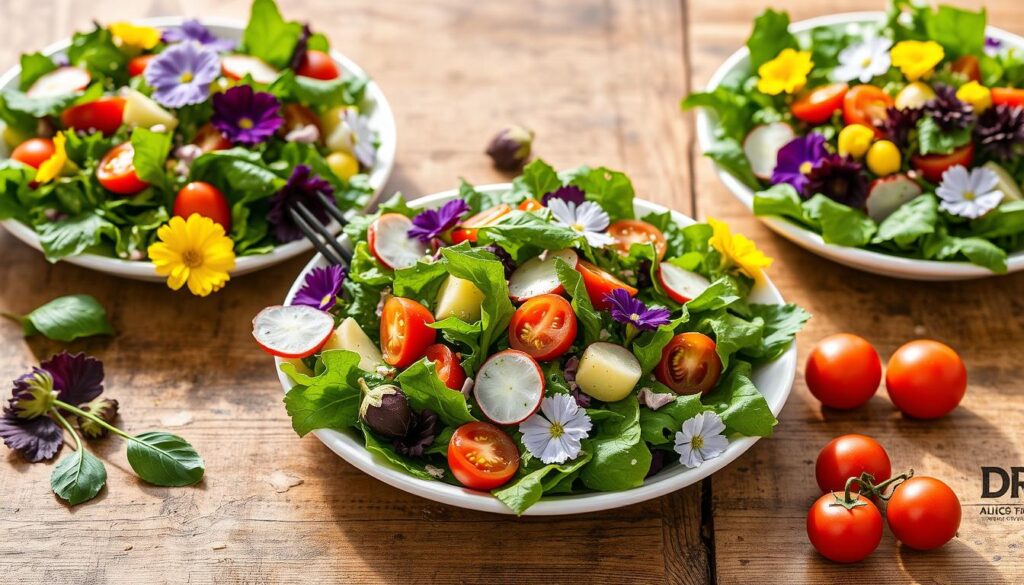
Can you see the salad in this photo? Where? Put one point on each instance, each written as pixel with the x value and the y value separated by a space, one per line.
pixel 535 341
pixel 132 126
pixel 903 136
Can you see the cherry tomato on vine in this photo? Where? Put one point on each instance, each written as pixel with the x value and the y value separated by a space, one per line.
pixel 923 513
pixel 34 151
pixel 404 335
pixel 841 534
pixel 843 371
pixel 849 456
pixel 204 199
pixel 103 114
pixel 116 171
pixel 818 105
pixel 446 366
pixel 866 104
pixel 318 65
pixel 689 364
pixel 634 231
pixel 481 456
pixel 926 379
pixel 543 327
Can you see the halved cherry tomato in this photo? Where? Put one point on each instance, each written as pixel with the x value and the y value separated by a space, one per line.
pixel 926 379
pixel 481 456
pixel 117 171
pixel 818 105
pixel 404 335
pixel 137 65
pixel 634 231
pixel 849 456
pixel 204 199
pixel 931 166
pixel 968 66
pixel 466 232
pixel 34 151
pixel 841 534
pixel 446 366
pixel 689 364
pixel 600 283
pixel 1010 96
pixel 104 114
pixel 923 513
pixel 318 65
pixel 209 139
pixel 530 204
pixel 866 104
pixel 544 327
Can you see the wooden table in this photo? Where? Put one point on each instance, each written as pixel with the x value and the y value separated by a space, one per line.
pixel 600 83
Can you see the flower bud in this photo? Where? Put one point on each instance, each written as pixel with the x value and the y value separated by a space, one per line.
pixel 105 409
pixel 386 411
pixel 33 394
pixel 510 148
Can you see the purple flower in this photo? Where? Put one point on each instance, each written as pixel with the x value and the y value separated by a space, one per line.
pixel 182 74
pixel 320 290
pixel 193 30
pixel 506 259
pixel 992 46
pixel 841 179
pixel 572 366
pixel 302 187
pixel 626 309
pixel 245 116
pixel 797 159
pixel 569 194
pixel 431 223
pixel 77 378
pixel 36 439
pixel 421 435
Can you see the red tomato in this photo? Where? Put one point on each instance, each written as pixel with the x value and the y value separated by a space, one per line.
pixel 926 379
pixel 209 139
pixel 844 535
pixel 1010 96
pixel 843 371
pixel 318 65
pixel 446 366
pixel 866 104
pixel 104 114
pixel 849 456
pixel 634 231
pixel 117 171
pixel 818 105
pixel 137 65
pixel 544 327
pixel 923 513
pixel 204 199
pixel 600 284
pixel 689 364
pixel 968 66
pixel 530 204
pixel 481 456
pixel 466 232
pixel 34 151
pixel 931 166
pixel 404 335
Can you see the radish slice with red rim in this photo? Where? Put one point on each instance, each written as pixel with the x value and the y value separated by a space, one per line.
pixel 509 387
pixel 682 285
pixel 238 66
pixel 388 238
pixel 60 81
pixel 762 147
pixel 537 276
pixel 295 331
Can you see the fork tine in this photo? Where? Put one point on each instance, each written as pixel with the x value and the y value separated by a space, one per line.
pixel 329 238
pixel 332 209
pixel 312 236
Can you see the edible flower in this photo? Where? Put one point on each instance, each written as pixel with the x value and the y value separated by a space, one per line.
pixel 193 30
pixel 51 167
pixel 736 250
pixel 321 287
pixel 1000 131
pixel 948 111
pixel 701 439
pixel 634 313
pixel 194 251
pixel 134 36
pixel 431 223
pixel 796 160
pixel 567 193
pixel 976 95
pixel 362 137
pixel 785 73
pixel 182 74
pixel 510 148
pixel 103 408
pixel 302 187
pixel 37 439
pixel 916 59
pixel 993 46
pixel 77 378
pixel 33 394
pixel 864 61
pixel 842 179
pixel 554 434
pixel 245 116
pixel 586 218
pixel 969 194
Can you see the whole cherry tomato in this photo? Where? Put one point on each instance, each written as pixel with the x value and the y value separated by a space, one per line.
pixel 844 534
pixel 204 199
pixel 34 151
pixel 843 371
pixel 926 379
pixel 923 513
pixel 318 65
pixel 481 456
pixel 404 335
pixel 849 456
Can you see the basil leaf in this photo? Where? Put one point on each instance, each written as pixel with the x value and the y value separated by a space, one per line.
pixel 78 477
pixel 424 389
pixel 164 459
pixel 68 318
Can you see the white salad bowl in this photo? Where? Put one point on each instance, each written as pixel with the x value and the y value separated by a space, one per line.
pixel 867 260
pixel 381 120
pixel 774 380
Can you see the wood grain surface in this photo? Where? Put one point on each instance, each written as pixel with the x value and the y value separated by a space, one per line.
pixel 600 83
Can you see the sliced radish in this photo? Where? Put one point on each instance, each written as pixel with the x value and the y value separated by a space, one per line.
pixel 888 194
pixel 238 66
pixel 509 387
pixel 537 276
pixel 762 146
pixel 295 331
pixel 682 285
pixel 388 238
pixel 60 81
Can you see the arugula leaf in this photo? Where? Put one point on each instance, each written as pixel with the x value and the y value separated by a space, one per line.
pixel 781 324
pixel 770 36
pixel 268 36
pixel 164 459
pixel 588 317
pixel 743 409
pixel 612 190
pixel 466 335
pixel 621 458
pixel 720 294
pixel 420 282
pixel 424 389
pixel 331 401
pixel 528 489
pixel 732 333
pixel 68 318
pixel 78 477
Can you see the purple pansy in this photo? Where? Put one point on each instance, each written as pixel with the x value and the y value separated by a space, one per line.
pixel 797 159
pixel 626 309
pixel 321 288
pixel 302 187
pixel 431 223
pixel 568 193
pixel 36 439
pixel 182 74
pixel 77 378
pixel 245 116
pixel 193 30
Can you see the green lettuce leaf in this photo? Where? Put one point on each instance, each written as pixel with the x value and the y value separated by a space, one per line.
pixel 331 400
pixel 424 389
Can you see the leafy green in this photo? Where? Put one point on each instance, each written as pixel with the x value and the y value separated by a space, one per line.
pixel 331 399
pixel 347 90
pixel 840 224
pixel 612 190
pixel 524 234
pixel 621 458
pixel 95 50
pixel 648 347
pixel 424 389
pixel 411 466
pixel 781 324
pixel 68 318
pixel 526 490
pixel 589 318
pixel 34 66
pixel 78 477
pixel 268 36
pixel 658 427
pixel 164 459
pixel 72 236
pixel 960 32
pixel 770 36
pixel 732 333
pixel 538 179
pixel 743 409
pixel 729 155
pixel 935 140
pixel 909 223
pixel 151 150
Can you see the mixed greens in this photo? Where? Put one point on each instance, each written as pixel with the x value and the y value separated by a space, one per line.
pixel 596 345
pixel 902 136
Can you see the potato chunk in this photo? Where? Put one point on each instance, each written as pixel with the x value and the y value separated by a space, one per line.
pixel 350 336
pixel 142 112
pixel 459 298
pixel 608 372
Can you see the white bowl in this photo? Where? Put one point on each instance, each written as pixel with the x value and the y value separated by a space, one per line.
pixel 866 260
pixel 382 120
pixel 773 380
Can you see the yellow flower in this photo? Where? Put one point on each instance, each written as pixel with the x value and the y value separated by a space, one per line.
pixel 785 73
pixel 134 36
pixel 916 59
pixel 737 251
pixel 976 94
pixel 52 166
pixel 195 251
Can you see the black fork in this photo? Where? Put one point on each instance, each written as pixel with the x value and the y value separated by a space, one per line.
pixel 318 234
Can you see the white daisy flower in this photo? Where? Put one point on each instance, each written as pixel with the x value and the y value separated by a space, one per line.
pixel 969 194
pixel 362 138
pixel 587 218
pixel 864 60
pixel 553 435
pixel 701 439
